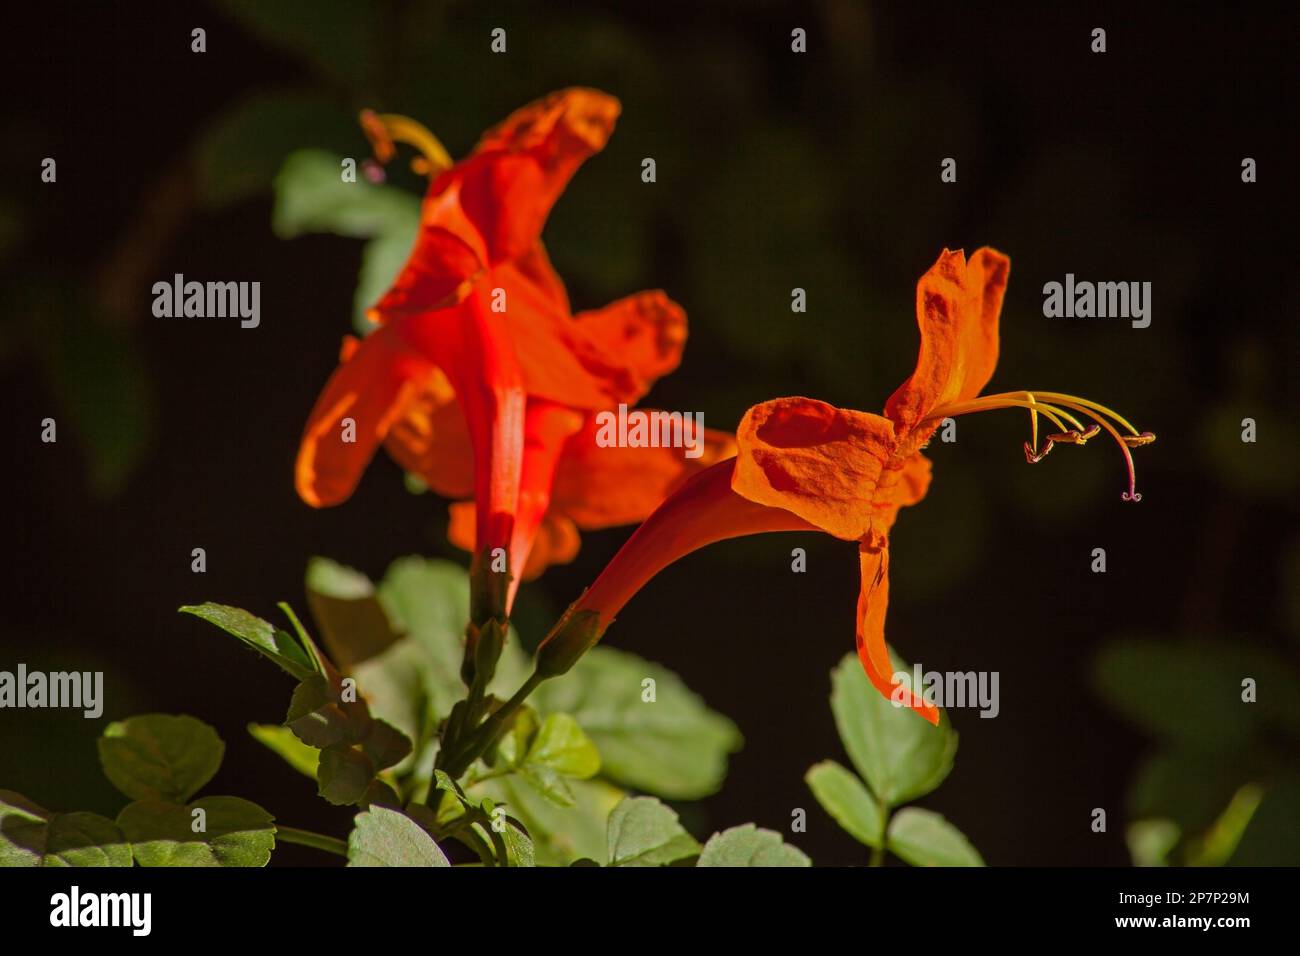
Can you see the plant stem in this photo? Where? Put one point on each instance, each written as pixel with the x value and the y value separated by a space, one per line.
pixel 317 841
pixel 878 852
pixel 487 733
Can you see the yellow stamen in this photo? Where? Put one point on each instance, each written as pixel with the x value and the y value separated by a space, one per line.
pixel 1056 405
pixel 385 129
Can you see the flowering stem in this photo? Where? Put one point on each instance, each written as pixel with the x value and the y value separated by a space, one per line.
pixel 491 729
pixel 318 841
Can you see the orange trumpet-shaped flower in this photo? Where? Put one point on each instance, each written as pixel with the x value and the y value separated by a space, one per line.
pixel 479 377
pixel 804 465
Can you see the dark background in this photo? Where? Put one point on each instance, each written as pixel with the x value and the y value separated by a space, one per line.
pixel 775 170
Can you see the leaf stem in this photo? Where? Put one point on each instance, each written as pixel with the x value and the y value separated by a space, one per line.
pixel 878 852
pixel 317 841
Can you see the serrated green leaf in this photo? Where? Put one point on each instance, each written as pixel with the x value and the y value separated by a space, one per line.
pixel 385 837
pixel 320 718
pixel 924 838
pixel 268 640
pixel 673 746
pixel 281 740
pixel 748 845
pixel 848 801
pixel 234 832
pixel 30 835
pixel 548 783
pixel 560 745
pixel 160 756
pixel 899 754
pixel 559 835
pixel 352 621
pixel 643 832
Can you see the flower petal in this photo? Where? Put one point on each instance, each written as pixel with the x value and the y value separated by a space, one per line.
pixel 820 462
pixel 647 331
pixel 957 307
pixel 519 168
pixel 431 440
pixel 873 652
pixel 604 358
pixel 606 487
pixel 490 208
pixel 372 388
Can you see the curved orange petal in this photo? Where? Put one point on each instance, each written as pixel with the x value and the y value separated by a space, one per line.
pixel 957 308
pixel 490 207
pixel 606 487
pixel 373 387
pixel 447 256
pixel 431 440
pixel 873 601
pixel 519 169
pixel 820 462
pixel 646 331
pixel 605 357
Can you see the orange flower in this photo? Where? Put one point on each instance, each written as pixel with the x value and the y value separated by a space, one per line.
pixel 479 377
pixel 805 465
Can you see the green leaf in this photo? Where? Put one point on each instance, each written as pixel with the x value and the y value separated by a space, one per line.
pixel 487 813
pixel 673 746
pixel 924 838
pixel 278 645
pixel 1151 841
pixel 319 717
pixel 552 750
pixel 643 832
pixel 548 783
pixel 747 845
pixel 354 747
pixel 1190 693
pixel 384 837
pixel 900 754
pixel 560 745
pixel 1218 844
pixel 848 801
pixel 559 835
pixel 230 832
pixel 160 756
pixel 104 387
pixel 30 835
pixel 353 624
pixel 282 741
